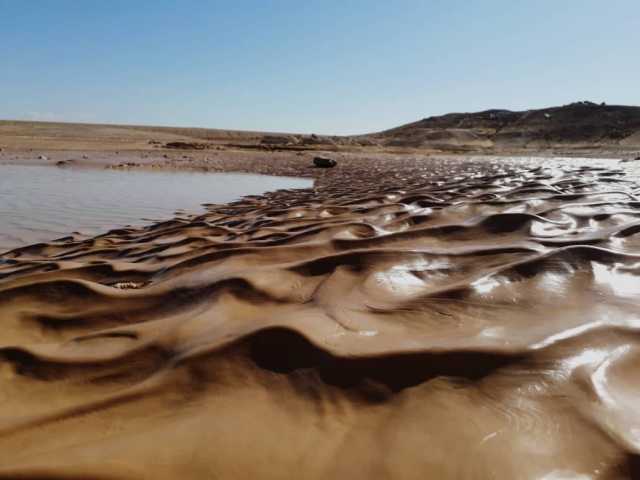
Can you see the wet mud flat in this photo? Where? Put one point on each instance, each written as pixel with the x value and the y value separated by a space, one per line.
pixel 442 319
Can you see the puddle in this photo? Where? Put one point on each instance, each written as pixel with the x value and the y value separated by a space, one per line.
pixel 42 203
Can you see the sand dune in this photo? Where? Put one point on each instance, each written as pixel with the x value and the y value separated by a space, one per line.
pixel 469 320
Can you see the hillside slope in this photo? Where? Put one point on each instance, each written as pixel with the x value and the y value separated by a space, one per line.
pixel 578 125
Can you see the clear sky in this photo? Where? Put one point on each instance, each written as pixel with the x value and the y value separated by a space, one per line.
pixel 332 66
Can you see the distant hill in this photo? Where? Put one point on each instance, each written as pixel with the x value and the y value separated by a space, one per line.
pixel 580 124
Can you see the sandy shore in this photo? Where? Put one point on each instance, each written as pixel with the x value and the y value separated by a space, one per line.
pixel 409 317
pixel 146 147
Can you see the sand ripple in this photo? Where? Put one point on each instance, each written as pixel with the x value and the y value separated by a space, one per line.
pixel 463 321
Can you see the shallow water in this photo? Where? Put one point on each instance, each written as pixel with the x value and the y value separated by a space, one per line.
pixel 39 204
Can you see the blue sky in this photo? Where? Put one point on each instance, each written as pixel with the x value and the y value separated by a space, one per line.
pixel 310 66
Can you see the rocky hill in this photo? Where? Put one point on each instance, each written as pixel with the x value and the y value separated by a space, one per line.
pixel 577 125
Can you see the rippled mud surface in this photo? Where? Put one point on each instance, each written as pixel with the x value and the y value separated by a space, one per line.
pixel 442 320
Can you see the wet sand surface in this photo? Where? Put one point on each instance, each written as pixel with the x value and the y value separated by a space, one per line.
pixel 440 319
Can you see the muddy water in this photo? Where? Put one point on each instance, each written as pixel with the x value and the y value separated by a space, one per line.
pixel 41 203
pixel 470 320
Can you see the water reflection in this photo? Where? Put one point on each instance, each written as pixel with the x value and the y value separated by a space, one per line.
pixel 43 203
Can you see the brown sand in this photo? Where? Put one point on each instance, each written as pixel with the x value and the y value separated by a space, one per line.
pixel 404 319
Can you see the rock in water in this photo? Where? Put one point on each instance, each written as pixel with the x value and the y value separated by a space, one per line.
pixel 323 162
pixel 64 163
